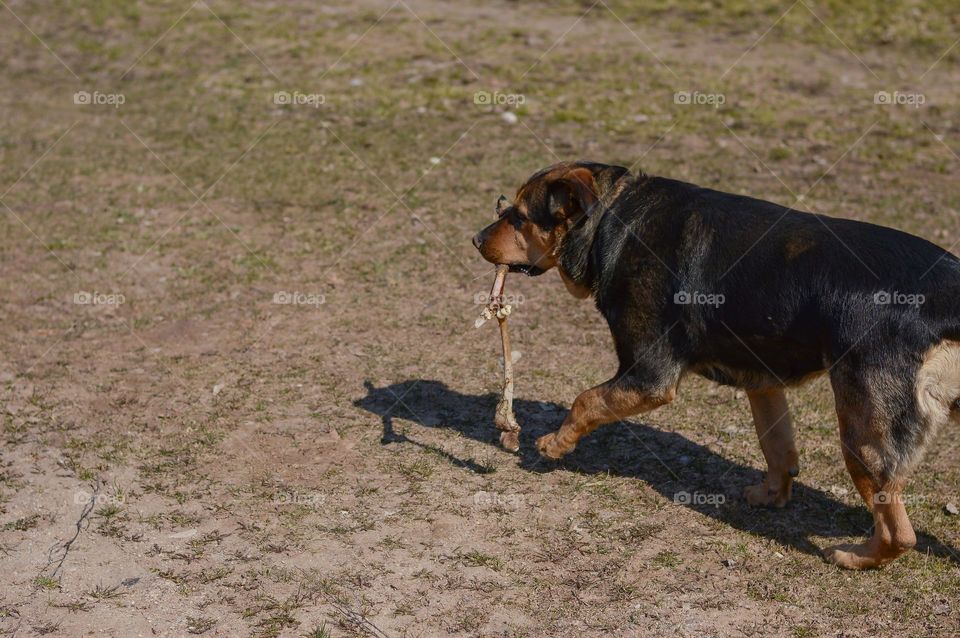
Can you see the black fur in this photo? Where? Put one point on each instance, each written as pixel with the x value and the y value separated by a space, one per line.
pixel 799 295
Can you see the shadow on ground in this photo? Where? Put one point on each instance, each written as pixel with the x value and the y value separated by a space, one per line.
pixel 668 462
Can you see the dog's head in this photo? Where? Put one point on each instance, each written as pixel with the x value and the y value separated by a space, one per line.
pixel 530 229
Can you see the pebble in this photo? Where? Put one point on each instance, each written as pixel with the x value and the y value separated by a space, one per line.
pixel 951 508
pixel 509 117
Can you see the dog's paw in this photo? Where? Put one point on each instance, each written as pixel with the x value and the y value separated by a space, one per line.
pixel 850 556
pixel 549 447
pixel 763 496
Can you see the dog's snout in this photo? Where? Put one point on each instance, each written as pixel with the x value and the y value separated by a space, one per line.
pixel 477 241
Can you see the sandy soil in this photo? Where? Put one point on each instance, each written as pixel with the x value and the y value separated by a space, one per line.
pixel 241 391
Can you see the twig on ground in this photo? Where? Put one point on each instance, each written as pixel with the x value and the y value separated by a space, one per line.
pixel 65 547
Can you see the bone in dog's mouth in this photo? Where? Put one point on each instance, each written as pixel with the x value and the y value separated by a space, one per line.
pixel 505 420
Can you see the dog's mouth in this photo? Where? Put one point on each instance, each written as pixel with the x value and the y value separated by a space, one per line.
pixel 527 269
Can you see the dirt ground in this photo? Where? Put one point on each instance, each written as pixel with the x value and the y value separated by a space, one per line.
pixel 241 390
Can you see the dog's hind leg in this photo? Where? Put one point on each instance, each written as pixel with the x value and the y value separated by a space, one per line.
pixel 605 403
pixel 870 454
pixel 771 417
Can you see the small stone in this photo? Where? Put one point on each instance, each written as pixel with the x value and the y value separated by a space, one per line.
pixel 951 508
pixel 729 562
pixel 509 117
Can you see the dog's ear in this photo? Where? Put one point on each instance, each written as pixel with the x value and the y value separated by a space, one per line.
pixel 573 194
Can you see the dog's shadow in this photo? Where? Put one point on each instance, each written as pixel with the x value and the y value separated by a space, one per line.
pixel 685 472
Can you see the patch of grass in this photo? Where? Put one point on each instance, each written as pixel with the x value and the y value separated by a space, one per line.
pixel 109 511
pixel 477 558
pixel 272 625
pixel 45 582
pixel 667 559
pixel 23 524
pixel 200 625
pixel 318 632
pixel 418 470
pixel 75 606
pixel 104 593
pixel 46 627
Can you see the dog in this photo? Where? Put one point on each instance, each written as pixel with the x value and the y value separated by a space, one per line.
pixel 750 294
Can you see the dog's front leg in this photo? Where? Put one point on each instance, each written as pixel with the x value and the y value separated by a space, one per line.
pixel 771 417
pixel 605 403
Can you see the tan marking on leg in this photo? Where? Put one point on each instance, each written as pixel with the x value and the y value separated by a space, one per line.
pixel 602 404
pixel 771 417
pixel 892 534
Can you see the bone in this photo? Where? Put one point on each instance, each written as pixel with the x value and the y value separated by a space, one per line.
pixel 505 420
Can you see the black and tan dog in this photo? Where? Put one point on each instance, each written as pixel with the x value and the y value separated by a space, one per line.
pixel 755 295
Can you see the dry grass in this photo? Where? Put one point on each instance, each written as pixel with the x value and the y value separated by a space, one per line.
pixel 328 467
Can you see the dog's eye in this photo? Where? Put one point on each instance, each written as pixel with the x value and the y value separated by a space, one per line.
pixel 514 214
